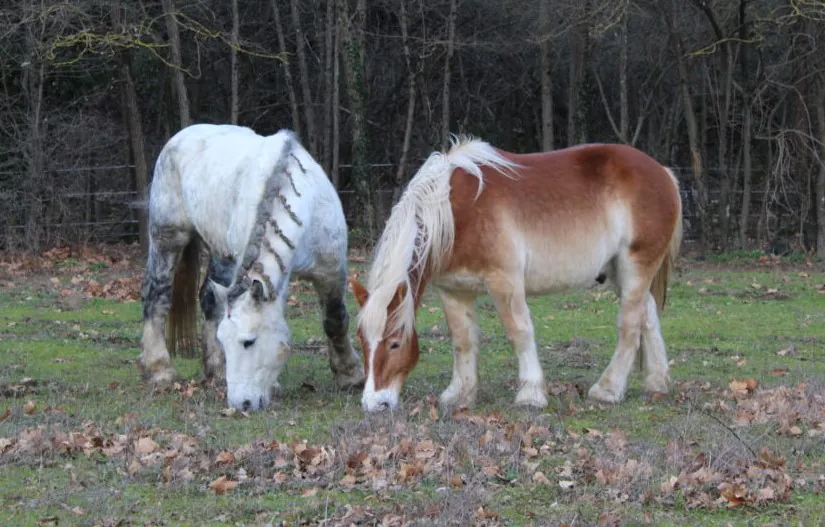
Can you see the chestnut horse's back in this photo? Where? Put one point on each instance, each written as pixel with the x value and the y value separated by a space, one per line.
pixel 567 214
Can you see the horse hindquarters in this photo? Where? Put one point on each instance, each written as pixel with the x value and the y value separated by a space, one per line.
pixel 642 289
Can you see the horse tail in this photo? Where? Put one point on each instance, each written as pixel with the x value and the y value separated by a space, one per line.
pixel 658 288
pixel 182 327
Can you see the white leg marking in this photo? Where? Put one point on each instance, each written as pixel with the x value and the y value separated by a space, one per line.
pixel 612 385
pixel 460 314
pixel 657 374
pixel 511 305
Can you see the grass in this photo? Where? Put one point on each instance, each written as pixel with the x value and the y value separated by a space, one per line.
pixel 67 369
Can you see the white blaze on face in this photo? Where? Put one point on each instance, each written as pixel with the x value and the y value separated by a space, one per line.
pixel 380 400
pixel 255 341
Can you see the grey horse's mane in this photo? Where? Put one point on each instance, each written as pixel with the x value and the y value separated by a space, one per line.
pixel 278 179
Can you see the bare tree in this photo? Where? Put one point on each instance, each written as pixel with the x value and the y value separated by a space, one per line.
pixel 309 108
pixel 290 85
pixel 351 29
pixel 408 124
pixel 546 65
pixel 448 57
pixel 820 180
pixel 177 62
pixel 690 120
pixel 134 126
pixel 233 57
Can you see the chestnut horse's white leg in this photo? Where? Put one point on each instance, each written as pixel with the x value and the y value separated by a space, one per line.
pixel 511 304
pixel 460 313
pixel 654 352
pixel 633 284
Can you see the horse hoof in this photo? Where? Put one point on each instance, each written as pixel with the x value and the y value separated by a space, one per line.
pixel 531 395
pixel 657 384
pixel 162 378
pixel 353 381
pixel 457 400
pixel 598 393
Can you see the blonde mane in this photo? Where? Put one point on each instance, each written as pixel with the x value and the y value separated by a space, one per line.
pixel 420 231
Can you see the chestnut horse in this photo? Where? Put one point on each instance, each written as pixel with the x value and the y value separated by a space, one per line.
pixel 479 219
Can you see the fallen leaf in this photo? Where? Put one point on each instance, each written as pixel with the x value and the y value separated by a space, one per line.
pixel 743 387
pixel 541 479
pixel 306 493
pixel 30 407
pixel 222 484
pixel 224 458
pixel 145 445
pixel 5 415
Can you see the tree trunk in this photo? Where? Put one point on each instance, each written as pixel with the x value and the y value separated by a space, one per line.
pixel 233 59
pixel 723 117
pixel 820 180
pixel 351 42
pixel 574 85
pixel 747 172
pixel 290 86
pixel 309 105
pixel 692 129
pixel 445 91
pixel 726 75
pixel 624 111
pixel 33 80
pixel 326 143
pixel 547 138
pixel 177 62
pixel 400 178
pixel 747 127
pixel 336 108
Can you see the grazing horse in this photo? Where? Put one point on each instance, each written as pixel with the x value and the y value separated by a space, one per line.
pixel 266 211
pixel 478 219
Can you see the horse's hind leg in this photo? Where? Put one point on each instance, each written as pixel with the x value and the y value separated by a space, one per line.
pixel 654 352
pixel 511 304
pixel 156 293
pixel 220 271
pixel 633 283
pixel 460 314
pixel 346 365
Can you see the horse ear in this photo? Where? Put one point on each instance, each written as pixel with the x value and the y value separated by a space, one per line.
pixel 257 291
pixel 359 291
pixel 400 293
pixel 221 293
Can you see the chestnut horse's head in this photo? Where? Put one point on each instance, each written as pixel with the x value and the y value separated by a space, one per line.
pixel 389 355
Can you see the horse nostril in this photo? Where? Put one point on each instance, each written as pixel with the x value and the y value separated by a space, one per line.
pixel 247 404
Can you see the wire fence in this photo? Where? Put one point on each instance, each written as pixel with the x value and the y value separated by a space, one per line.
pixel 111 215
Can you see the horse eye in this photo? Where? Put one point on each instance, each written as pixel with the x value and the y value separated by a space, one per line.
pixel 394 345
pixel 248 343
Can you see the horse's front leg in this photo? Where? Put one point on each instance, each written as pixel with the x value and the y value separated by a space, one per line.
pixel 346 365
pixel 511 303
pixel 461 322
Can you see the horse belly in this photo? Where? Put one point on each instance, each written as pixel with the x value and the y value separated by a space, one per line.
pixel 556 267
